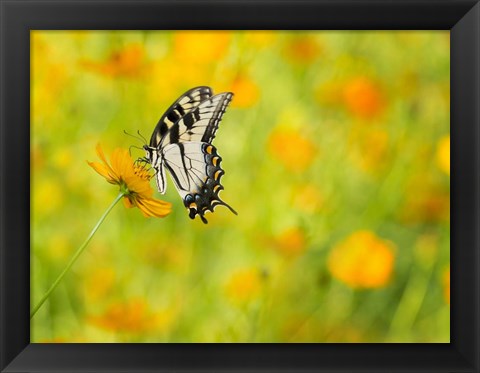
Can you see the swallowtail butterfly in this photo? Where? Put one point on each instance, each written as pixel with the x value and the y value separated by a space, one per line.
pixel 182 143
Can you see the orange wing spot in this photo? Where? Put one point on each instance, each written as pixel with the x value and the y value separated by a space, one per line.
pixel 192 205
pixel 215 161
pixel 217 174
pixel 209 149
pixel 215 188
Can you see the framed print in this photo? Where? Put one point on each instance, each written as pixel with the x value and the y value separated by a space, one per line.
pixel 239 186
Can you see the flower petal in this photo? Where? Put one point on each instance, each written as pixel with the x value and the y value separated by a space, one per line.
pixel 127 202
pixel 123 172
pixel 138 186
pixel 122 163
pixel 101 155
pixel 103 170
pixel 153 207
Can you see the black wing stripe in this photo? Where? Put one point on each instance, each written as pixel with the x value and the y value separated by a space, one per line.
pixel 174 176
pixel 191 118
pixel 211 129
pixel 185 103
pixel 201 123
pixel 174 134
pixel 174 115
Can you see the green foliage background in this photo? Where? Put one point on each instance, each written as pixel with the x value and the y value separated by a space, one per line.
pixel 330 134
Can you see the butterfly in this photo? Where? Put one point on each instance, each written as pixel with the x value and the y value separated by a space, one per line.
pixel 182 143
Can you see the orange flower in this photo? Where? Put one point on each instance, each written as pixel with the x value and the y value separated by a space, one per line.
pixel 133 316
pixel 128 62
pixel 244 285
pixel 363 98
pixel 291 242
pixel 292 149
pixel 303 50
pixel 134 182
pixel 362 260
pixel 246 91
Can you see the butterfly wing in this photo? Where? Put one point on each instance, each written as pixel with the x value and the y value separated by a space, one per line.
pixel 200 124
pixel 181 142
pixel 196 171
pixel 160 177
pixel 184 104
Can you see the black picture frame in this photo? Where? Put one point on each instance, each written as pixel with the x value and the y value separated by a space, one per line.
pixel 18 17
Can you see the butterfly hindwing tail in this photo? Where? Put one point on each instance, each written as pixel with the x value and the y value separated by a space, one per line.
pixel 220 107
pixel 206 197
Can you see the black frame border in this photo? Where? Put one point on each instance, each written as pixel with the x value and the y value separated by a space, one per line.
pixel 18 17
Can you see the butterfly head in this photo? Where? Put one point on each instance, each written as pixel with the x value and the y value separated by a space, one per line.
pixel 150 154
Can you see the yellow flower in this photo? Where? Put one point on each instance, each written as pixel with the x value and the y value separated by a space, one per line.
pixel 134 181
pixel 48 196
pixel 443 154
pixel 201 45
pixel 295 151
pixel 182 75
pixel 62 158
pixel 246 91
pixel 50 77
pixel 244 285
pixel 133 316
pixel 362 260
pixel 363 97
pixel 291 242
pixel 446 285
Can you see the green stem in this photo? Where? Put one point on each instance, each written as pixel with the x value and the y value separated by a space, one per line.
pixel 75 256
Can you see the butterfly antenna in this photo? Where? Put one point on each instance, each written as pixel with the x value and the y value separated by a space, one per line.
pixel 143 137
pixel 135 137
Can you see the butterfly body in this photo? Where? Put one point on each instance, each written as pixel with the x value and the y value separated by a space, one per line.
pixel 182 143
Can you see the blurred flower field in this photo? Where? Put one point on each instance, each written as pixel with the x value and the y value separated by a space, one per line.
pixel 336 151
